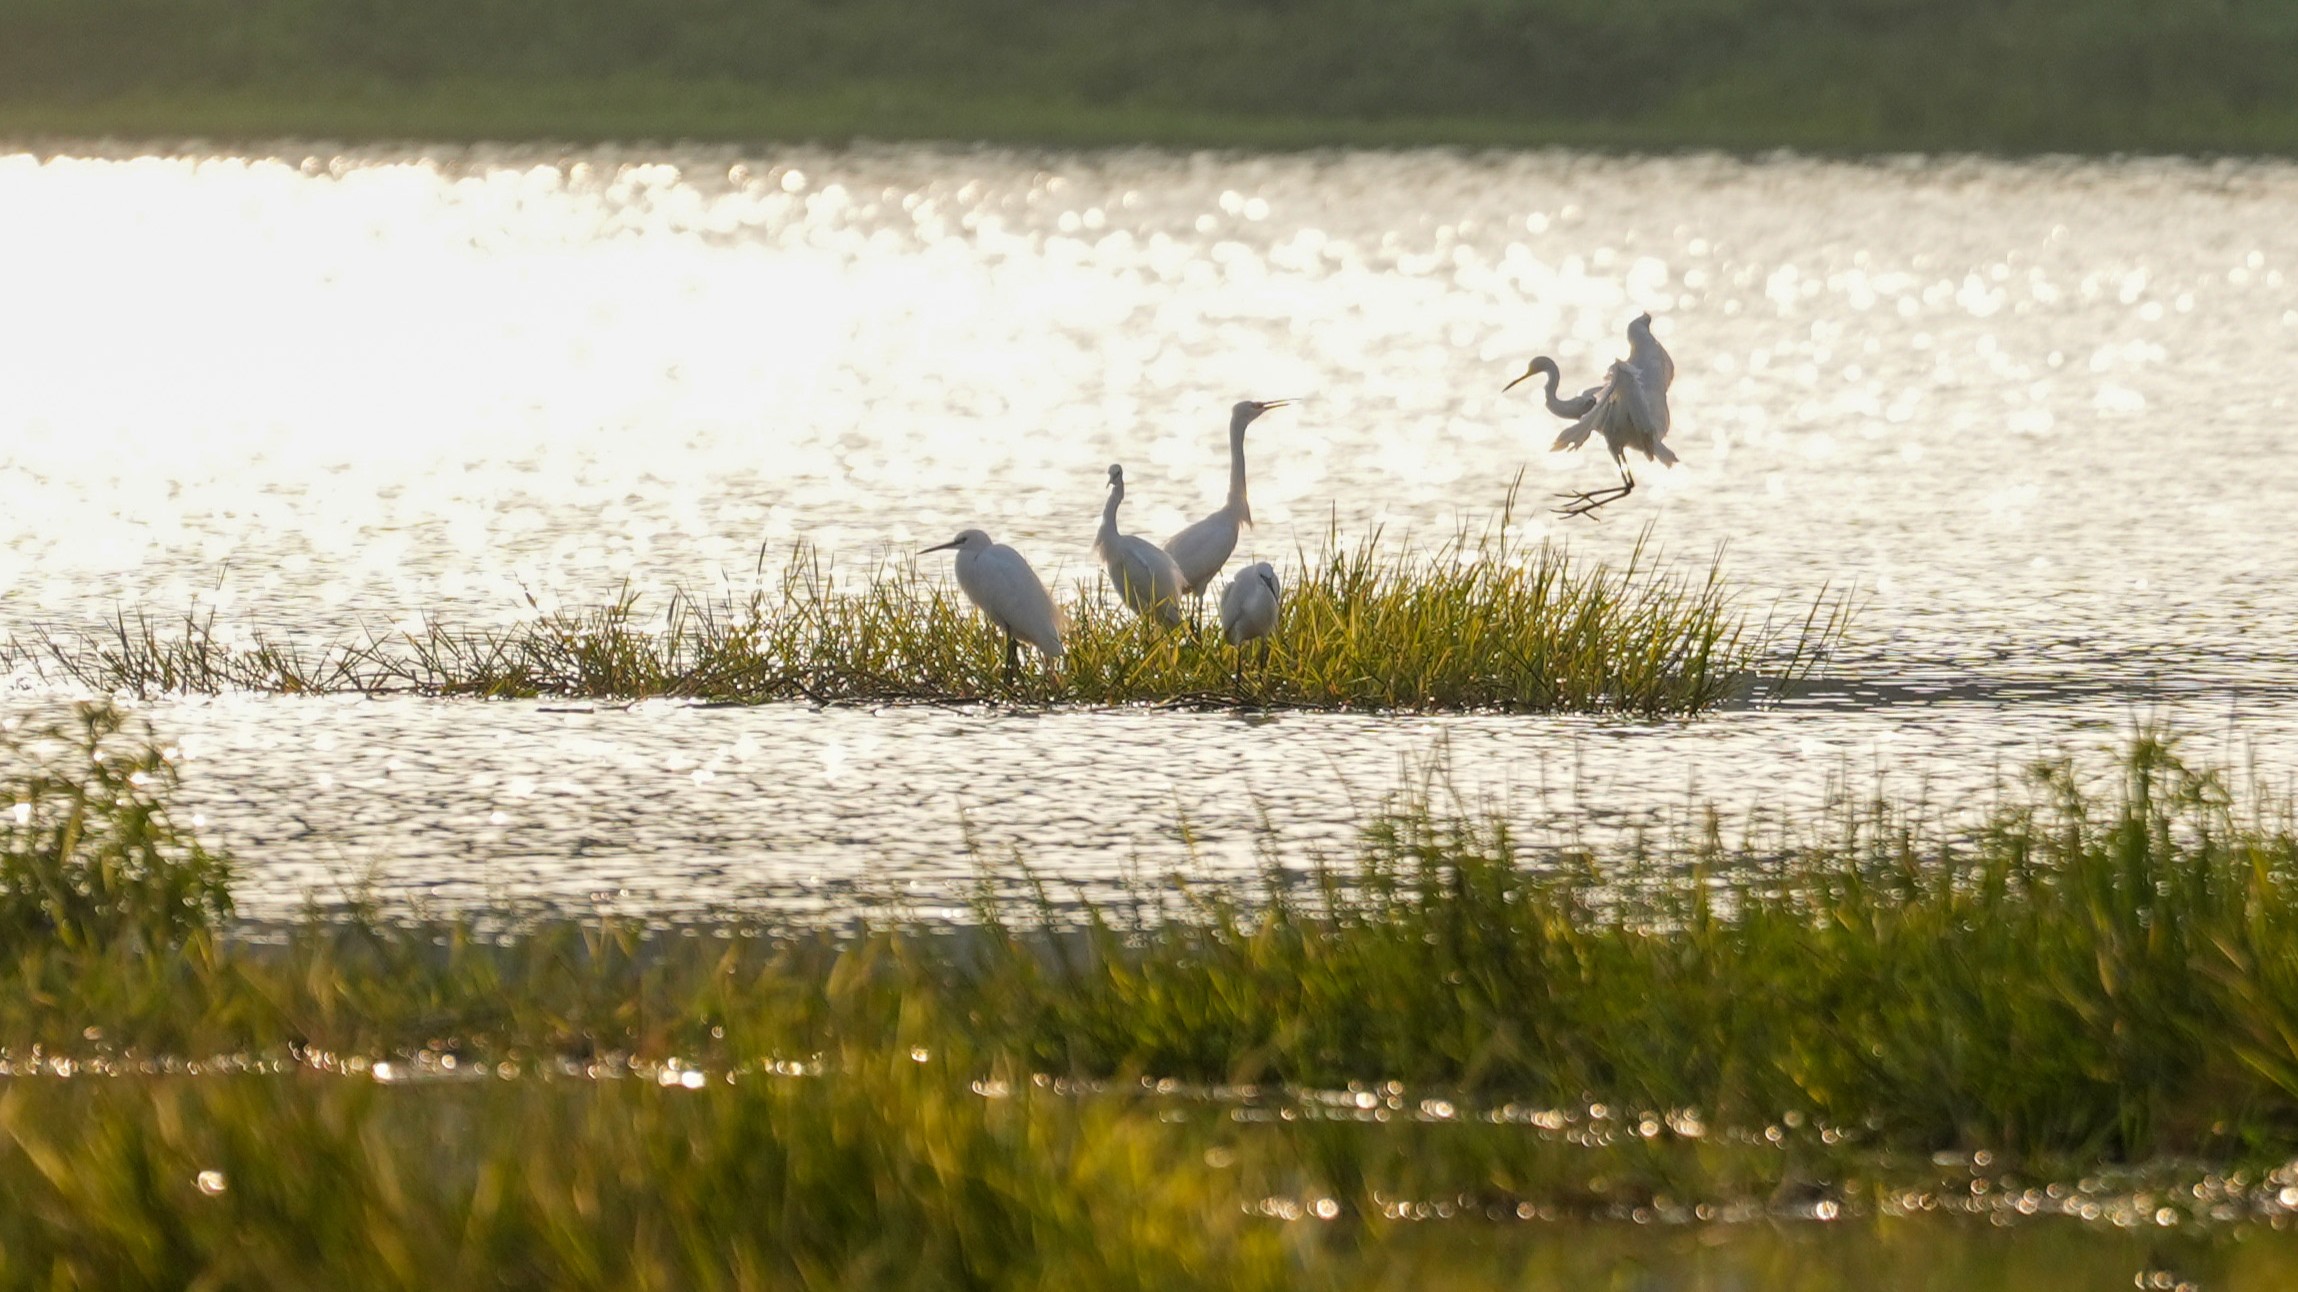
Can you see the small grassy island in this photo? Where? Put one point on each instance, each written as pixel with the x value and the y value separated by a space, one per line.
pixel 1475 626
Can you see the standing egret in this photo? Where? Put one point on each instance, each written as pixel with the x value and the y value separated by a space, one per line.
pixel 1145 576
pixel 1249 610
pixel 1203 548
pixel 1579 405
pixel 1000 583
pixel 1630 412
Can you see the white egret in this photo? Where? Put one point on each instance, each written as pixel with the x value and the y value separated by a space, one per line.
pixel 1204 547
pixel 1630 412
pixel 1003 587
pixel 1145 576
pixel 1249 609
pixel 1577 406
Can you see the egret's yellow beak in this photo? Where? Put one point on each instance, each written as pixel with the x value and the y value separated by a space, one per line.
pixel 1519 381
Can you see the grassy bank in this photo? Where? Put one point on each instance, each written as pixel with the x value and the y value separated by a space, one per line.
pixel 1477 625
pixel 2036 75
pixel 2074 1014
pixel 2103 970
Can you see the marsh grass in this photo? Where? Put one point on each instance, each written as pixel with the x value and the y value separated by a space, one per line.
pixel 1479 623
pixel 2102 969
pixel 1866 1007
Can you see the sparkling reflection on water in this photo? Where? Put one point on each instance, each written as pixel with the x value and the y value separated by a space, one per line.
pixel 2036 412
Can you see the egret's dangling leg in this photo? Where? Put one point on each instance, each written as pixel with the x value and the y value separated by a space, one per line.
pixel 1585 504
pixel 1012 659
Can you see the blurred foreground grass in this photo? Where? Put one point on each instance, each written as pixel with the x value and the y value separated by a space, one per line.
pixel 2074 1014
pixel 1475 625
pixel 1860 75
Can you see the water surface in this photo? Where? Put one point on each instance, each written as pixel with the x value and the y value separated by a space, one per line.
pixel 2035 412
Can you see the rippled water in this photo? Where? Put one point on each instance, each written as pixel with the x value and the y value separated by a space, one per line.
pixel 2036 412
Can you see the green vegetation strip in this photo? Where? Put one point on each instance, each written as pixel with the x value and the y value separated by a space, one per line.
pixel 2081 1003
pixel 1856 75
pixel 1478 625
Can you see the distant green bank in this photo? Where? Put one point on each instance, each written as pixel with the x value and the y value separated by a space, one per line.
pixel 2014 76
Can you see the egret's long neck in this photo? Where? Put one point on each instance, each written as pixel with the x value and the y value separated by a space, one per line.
pixel 1109 512
pixel 1555 378
pixel 1237 503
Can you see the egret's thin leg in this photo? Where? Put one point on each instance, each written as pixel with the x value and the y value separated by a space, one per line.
pixel 1585 504
pixel 1012 659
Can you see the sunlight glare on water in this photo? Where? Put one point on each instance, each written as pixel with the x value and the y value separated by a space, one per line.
pixel 2035 412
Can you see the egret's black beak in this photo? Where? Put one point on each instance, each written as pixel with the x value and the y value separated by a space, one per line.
pixel 943 547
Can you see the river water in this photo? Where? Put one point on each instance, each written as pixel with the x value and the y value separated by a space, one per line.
pixel 2034 413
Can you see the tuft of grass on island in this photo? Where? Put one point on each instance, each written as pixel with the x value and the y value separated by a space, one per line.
pixel 2050 1040
pixel 2038 76
pixel 1478 625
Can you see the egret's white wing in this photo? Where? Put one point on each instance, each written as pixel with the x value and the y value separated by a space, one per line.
pixel 1001 582
pixel 1649 358
pixel 1146 578
pixel 1644 398
pixel 1202 549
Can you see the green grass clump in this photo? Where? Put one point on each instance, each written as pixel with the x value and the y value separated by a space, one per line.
pixel 88 857
pixel 2087 970
pixel 1476 625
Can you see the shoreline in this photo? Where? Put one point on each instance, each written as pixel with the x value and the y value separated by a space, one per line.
pixel 647 112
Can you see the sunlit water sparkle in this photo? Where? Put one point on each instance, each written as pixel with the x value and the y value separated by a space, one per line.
pixel 2035 412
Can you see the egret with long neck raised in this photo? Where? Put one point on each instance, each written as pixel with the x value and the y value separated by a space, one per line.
pixel 1146 578
pixel 1204 547
pixel 1009 594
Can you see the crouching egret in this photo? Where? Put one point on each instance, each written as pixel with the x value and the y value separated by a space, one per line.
pixel 1249 609
pixel 1003 587
pixel 1145 576
pixel 1203 548
pixel 1630 410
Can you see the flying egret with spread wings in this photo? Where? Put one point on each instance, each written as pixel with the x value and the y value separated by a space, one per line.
pixel 1249 608
pixel 1204 547
pixel 1000 583
pixel 1145 576
pixel 1630 411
